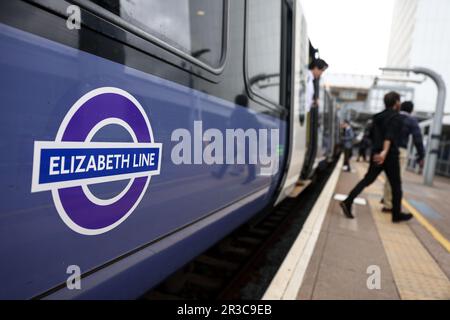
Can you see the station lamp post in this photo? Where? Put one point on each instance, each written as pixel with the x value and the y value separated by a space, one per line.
pixel 436 128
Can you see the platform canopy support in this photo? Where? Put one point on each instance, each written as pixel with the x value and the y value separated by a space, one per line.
pixel 436 128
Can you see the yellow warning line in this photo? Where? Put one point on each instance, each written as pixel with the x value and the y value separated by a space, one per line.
pixel 417 275
pixel 427 225
pixel 424 222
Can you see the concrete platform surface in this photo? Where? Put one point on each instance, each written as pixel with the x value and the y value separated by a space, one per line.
pixel 369 257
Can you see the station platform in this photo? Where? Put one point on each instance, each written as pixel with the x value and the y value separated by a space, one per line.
pixel 369 257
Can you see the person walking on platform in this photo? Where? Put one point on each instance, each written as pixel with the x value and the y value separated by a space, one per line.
pixel 364 145
pixel 410 127
pixel 386 128
pixel 347 142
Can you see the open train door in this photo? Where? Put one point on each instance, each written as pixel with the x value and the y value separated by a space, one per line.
pixel 298 37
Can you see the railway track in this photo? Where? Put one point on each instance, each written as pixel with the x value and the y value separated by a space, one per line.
pixel 242 265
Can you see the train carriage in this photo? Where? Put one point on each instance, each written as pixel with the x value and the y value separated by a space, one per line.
pixel 138 89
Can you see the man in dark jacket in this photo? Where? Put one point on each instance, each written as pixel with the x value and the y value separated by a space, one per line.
pixel 386 128
pixel 410 127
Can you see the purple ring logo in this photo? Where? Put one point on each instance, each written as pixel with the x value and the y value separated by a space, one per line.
pixel 68 165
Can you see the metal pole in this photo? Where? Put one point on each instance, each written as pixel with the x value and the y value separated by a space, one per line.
pixel 436 128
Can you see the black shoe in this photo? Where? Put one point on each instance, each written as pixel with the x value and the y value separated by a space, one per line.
pixel 347 209
pixel 386 210
pixel 402 217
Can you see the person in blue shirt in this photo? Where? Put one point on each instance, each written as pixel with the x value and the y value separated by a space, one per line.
pixel 410 127
pixel 347 143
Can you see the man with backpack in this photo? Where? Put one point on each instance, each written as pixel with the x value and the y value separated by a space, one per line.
pixel 386 128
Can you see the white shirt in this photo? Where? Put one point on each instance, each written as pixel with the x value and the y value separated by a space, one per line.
pixel 309 91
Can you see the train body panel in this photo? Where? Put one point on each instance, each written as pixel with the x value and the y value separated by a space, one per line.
pixel 41 82
pixel 322 138
pixel 149 92
pixel 328 121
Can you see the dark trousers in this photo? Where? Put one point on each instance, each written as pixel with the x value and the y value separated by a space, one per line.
pixel 362 153
pixel 347 156
pixel 391 167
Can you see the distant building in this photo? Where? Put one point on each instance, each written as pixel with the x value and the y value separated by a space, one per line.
pixel 350 91
pixel 420 37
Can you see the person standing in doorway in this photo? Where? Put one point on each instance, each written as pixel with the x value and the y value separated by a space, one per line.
pixel 410 127
pixel 386 128
pixel 315 70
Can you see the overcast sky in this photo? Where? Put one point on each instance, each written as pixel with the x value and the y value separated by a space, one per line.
pixel 351 35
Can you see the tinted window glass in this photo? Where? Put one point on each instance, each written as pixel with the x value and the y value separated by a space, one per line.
pixel 193 26
pixel 264 48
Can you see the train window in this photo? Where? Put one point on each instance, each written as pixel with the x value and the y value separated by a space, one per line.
pixel 192 26
pixel 264 48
